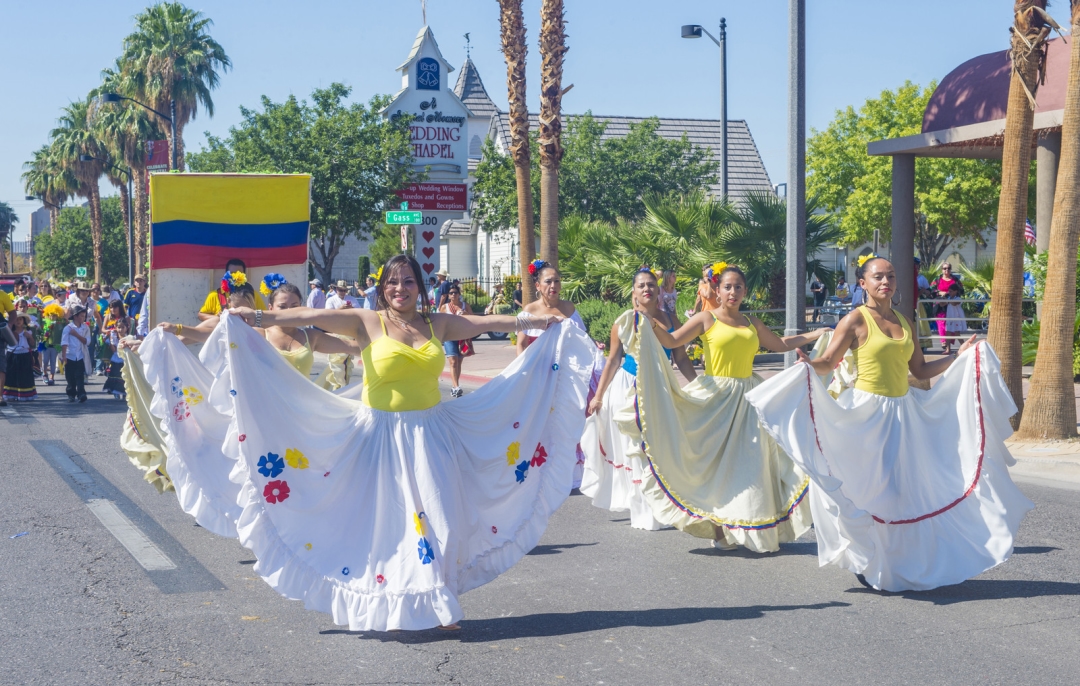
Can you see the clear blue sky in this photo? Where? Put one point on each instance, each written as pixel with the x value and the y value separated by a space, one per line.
pixel 625 58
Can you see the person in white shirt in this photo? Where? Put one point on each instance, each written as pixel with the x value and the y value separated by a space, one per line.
pixel 316 298
pixel 80 296
pixel 340 299
pixel 73 354
pixel 142 326
pixel 370 294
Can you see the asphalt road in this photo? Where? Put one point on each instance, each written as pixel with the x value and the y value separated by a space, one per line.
pixel 595 603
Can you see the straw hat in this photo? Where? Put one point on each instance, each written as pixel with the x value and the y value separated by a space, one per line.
pixel 82 286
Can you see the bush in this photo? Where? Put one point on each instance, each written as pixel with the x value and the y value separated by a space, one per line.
pixel 599 316
pixel 477 297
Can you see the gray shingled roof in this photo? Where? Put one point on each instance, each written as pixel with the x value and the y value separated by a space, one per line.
pixel 746 171
pixel 470 88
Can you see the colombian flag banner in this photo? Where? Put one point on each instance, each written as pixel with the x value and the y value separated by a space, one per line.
pixel 200 221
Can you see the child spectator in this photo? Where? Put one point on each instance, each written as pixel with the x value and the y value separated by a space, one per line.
pixel 74 353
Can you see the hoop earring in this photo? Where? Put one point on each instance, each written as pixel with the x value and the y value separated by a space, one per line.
pixel 897 303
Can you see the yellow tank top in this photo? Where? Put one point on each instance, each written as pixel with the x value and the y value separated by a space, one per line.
pixel 882 362
pixel 302 358
pixel 400 378
pixel 729 350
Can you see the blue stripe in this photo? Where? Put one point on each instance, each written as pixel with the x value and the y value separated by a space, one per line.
pixel 229 235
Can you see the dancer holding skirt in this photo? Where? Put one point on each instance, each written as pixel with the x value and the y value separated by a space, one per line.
pixel 911 487
pixel 713 471
pixel 383 511
pixel 613 466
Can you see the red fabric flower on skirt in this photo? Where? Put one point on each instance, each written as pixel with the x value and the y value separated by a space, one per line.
pixel 276 491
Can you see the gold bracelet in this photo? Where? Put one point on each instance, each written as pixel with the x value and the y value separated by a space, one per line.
pixel 179 329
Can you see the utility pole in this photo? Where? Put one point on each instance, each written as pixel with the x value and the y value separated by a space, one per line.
pixel 795 301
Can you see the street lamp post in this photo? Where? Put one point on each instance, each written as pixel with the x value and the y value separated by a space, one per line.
pixel 171 118
pixel 130 228
pixel 696 31
pixel 795 301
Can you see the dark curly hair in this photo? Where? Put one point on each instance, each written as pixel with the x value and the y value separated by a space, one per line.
pixel 402 262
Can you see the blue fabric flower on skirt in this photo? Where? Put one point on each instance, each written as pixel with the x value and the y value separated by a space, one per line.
pixel 271 465
pixel 522 471
pixel 426 552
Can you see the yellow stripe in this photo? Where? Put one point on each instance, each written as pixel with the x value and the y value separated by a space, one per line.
pixel 231 198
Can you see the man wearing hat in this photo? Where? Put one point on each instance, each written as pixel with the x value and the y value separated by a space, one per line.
pixel 340 299
pixel 442 289
pixel 316 299
pixel 79 296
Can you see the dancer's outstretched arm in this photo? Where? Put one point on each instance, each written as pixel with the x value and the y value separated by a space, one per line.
pixel 770 341
pixel 694 327
pixel 457 327
pixel 923 370
pixel 614 361
pixel 846 334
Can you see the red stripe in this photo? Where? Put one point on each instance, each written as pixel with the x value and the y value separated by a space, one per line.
pixel 982 446
pixel 187 256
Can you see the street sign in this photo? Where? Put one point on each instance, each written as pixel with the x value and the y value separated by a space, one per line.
pixel 404 239
pixel 399 217
pixel 80 272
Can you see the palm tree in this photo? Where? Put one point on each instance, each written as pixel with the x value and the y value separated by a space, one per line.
pixel 8 220
pixel 693 224
pixel 73 139
pixel 552 49
pixel 171 57
pixel 1051 406
pixel 48 179
pixel 1028 53
pixel 512 29
pixel 124 131
pixel 756 240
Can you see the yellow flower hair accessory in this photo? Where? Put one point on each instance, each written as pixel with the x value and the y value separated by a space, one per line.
pixel 719 267
pixel 377 275
pixel 866 258
pixel 238 278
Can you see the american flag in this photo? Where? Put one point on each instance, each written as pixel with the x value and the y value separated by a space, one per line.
pixel 1029 232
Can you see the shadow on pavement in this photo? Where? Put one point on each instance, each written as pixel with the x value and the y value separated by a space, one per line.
pixel 1034 549
pixel 796 548
pixel 984 589
pixel 558 548
pixel 567 623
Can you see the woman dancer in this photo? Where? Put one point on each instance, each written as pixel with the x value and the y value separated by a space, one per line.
pixel 911 489
pixel 19 380
pixel 383 512
pixel 549 289
pixel 613 468
pixel 714 472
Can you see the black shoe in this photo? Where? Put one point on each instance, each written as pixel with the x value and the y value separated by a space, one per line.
pixel 82 398
pixel 71 398
pixel 862 580
pixel 3 403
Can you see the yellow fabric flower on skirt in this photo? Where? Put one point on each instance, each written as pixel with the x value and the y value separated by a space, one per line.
pixel 418 520
pixel 295 459
pixel 513 451
pixel 192 395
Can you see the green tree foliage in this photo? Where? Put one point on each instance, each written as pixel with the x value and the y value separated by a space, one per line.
pixel 955 199
pixel 604 180
pixel 598 259
pixel 69 245
pixel 8 219
pixel 386 244
pixel 356 158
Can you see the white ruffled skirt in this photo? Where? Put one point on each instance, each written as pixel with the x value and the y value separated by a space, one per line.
pixel 380 519
pixel 613 466
pixel 911 492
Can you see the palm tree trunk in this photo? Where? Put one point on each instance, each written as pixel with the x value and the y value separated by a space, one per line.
pixel 94 196
pixel 512 28
pixel 1051 407
pixel 128 237
pixel 141 219
pixel 54 219
pixel 179 146
pixel 1005 313
pixel 552 49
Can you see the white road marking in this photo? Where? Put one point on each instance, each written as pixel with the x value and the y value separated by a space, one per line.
pixel 141 548
pixel 9 412
pixel 130 536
